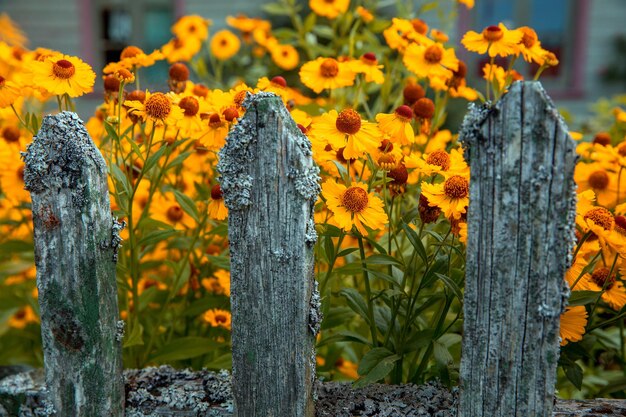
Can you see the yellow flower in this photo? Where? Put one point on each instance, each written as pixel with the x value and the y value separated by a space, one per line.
pixel 364 14
pixel 247 25
pixel 133 57
pixel 218 318
pixel 573 322
pixel 614 293
pixel 530 47
pixel 9 92
pixel 402 32
pixel 192 26
pixel 285 56
pixel 346 129
pixel 179 49
pixel 354 206
pixel 11 32
pixel 326 73
pixel 451 196
pixel 157 107
pixel 496 75
pixel 468 3
pixel 63 74
pixel 397 125
pixel 347 368
pixel 368 65
pixel 497 40
pixel 219 283
pixel 224 44
pixel 217 208
pixel 430 61
pixel 329 8
pixel 22 317
pixel 191 125
pixel 595 177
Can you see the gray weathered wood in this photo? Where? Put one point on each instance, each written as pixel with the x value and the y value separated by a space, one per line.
pixel 270 184
pixel 520 235
pixel 76 242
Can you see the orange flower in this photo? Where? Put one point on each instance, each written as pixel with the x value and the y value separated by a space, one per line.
pixel 346 129
pixel 224 45
pixel 398 125
pixel 329 8
pixel 217 208
pixel 573 322
pixel 157 107
pixel 354 206
pixel 285 56
pixel 9 92
pixel 497 40
pixel 192 26
pixel 326 73
pixel 133 57
pixel 368 65
pixel 430 61
pixel 218 318
pixel 63 74
pixel 181 49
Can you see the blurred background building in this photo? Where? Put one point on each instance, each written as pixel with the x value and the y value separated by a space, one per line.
pixel 588 36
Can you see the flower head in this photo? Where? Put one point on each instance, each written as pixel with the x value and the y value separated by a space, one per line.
pixel 63 74
pixel 329 8
pixel 354 206
pixel 430 61
pixel 347 129
pixel 451 196
pixel 191 26
pixel 224 44
pixel 496 40
pixel 326 73
pixel 573 323
pixel 157 107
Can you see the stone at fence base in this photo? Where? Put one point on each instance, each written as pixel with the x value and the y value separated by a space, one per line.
pixel 165 391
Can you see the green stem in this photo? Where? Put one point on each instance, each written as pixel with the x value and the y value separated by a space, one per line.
pixel 368 292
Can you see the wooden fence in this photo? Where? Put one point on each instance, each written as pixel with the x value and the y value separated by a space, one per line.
pixel 520 235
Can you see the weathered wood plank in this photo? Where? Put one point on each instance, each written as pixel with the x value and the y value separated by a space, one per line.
pixel 520 234
pixel 76 242
pixel 270 185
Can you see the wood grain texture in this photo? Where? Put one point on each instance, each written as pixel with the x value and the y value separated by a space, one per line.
pixel 76 243
pixel 520 236
pixel 270 185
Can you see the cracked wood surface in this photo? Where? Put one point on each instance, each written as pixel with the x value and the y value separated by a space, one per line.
pixel 520 236
pixel 76 243
pixel 270 185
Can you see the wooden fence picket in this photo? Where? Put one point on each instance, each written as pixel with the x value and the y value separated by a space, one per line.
pixel 520 237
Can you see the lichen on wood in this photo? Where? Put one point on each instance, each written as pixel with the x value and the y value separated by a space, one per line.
pixel 76 242
pixel 520 236
pixel 270 184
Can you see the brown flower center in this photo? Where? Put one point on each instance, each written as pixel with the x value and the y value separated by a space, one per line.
pixel 439 158
pixel 600 216
pixel 216 192
pixel 369 58
pixel 601 277
pixel 158 106
pixel 602 138
pixel 433 54
pixel 598 180
pixel 404 112
pixel 329 68
pixel 385 146
pixel 620 224
pixel 399 174
pixel 424 108
pixel 63 69
pixel 11 134
pixel 355 199
pixel 220 318
pixel 189 105
pixel 111 84
pixel 130 52
pixel 174 213
pixel 200 90
pixel 125 75
pixel 240 97
pixel 280 81
pixel 420 26
pixel 215 120
pixel 179 72
pixel 387 161
pixel 492 33
pixel 456 187
pixel 348 121
pixel 529 38
pixel 230 114
pixel 136 95
pixel 412 93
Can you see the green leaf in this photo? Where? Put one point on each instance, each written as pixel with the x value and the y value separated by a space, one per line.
pixel 156 236
pixel 16 246
pixel 355 302
pixel 184 348
pixel 347 251
pixel 325 32
pixel 309 22
pixel 581 298
pixel 384 260
pixel 224 361
pixel 441 353
pixel 276 9
pixel 415 241
pixel 110 129
pixel 574 374
pixel 451 284
pixel 135 337
pixel 187 204
pixel 375 365
pixel 344 336
pixel 154 158
pixel 417 340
